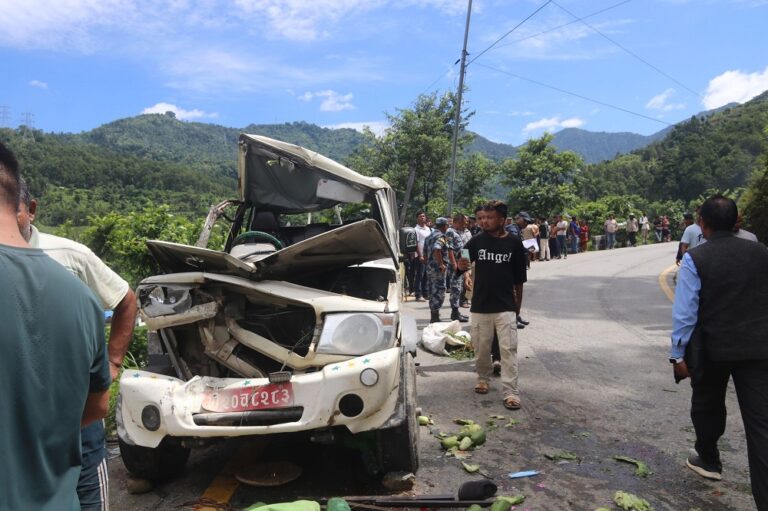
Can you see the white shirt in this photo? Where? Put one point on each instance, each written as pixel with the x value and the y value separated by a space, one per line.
pixel 561 227
pixel 107 285
pixel 692 236
pixel 421 234
pixel 741 233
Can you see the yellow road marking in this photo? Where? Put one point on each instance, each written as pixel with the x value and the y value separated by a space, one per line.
pixel 223 487
pixel 664 285
pixel 220 490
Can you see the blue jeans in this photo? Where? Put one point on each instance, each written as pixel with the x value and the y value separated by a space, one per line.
pixel 574 244
pixel 561 245
pixel 420 281
pixel 610 239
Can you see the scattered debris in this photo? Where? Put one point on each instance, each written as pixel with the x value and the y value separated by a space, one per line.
pixel 399 481
pixel 497 417
pixel 425 421
pixel 642 469
pixel 450 442
pixel 630 502
pixel 562 455
pixel 524 473
pixel 465 444
pixel 473 431
pixel 512 422
pixel 463 422
pixel 299 505
pixel 583 434
pixel 506 503
pixel 470 468
pixel 337 504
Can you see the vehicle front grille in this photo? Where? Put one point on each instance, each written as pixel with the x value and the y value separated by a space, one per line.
pixel 250 418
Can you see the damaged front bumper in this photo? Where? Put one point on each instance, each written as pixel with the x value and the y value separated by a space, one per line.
pixel 360 393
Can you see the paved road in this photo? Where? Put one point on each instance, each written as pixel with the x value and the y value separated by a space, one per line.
pixel 594 381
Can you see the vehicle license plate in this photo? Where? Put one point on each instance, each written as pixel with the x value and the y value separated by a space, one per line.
pixel 274 395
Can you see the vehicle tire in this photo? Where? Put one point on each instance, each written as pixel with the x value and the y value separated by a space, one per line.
pixel 161 463
pixel 398 447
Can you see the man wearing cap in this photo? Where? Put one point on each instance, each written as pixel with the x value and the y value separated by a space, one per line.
pixel 455 236
pixel 440 255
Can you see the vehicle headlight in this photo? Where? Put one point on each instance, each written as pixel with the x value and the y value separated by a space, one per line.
pixel 357 334
pixel 156 300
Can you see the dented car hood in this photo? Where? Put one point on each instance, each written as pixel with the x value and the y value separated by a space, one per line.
pixel 344 246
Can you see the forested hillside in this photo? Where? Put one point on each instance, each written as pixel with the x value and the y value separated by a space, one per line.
pixel 157 159
pixel 719 152
pixel 163 137
pixel 73 180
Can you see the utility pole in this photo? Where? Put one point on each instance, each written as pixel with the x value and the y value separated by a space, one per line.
pixel 457 120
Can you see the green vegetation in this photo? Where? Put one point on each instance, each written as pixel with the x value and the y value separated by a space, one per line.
pixel 153 176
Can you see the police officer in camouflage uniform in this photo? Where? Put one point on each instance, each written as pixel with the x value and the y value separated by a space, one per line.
pixel 456 242
pixel 439 256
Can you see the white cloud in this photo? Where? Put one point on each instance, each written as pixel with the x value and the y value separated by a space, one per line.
pixel 661 102
pixel 377 127
pixel 332 101
pixel 184 115
pixel 734 86
pixel 37 84
pixel 552 123
pixel 557 38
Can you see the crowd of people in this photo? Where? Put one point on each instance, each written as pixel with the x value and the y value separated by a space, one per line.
pixel 706 344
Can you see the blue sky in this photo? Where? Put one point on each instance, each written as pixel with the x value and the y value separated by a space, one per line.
pixel 77 64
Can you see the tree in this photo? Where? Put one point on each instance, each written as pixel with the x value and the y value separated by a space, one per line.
pixel 755 201
pixel 476 177
pixel 120 240
pixel 413 155
pixel 541 179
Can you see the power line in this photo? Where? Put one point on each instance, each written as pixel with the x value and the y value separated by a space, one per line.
pixel 553 29
pixel 439 78
pixel 602 103
pixel 630 52
pixel 534 13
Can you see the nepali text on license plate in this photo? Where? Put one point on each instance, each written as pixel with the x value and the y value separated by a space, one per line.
pixel 274 395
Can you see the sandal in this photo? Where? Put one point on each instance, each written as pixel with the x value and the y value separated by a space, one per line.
pixel 512 403
pixel 481 387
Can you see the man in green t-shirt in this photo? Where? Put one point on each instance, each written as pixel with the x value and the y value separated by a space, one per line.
pixel 54 373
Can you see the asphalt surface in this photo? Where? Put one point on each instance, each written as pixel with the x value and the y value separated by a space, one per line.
pixel 594 380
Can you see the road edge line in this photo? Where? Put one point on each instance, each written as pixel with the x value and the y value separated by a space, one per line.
pixel 664 285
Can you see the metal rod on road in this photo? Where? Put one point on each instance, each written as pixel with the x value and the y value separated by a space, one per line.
pixel 457 120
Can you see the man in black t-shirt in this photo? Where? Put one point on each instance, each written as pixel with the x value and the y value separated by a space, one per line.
pixel 500 272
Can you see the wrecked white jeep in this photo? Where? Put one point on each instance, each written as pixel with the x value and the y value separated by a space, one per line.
pixel 294 327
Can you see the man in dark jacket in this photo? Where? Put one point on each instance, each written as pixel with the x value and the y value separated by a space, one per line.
pixel 720 330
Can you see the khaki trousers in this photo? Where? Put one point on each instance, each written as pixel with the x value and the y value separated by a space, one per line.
pixel 482 328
